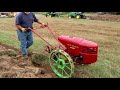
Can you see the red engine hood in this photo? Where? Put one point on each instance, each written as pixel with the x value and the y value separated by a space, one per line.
pixel 77 41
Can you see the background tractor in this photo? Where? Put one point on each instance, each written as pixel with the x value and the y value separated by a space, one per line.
pixel 7 14
pixel 76 15
pixel 52 14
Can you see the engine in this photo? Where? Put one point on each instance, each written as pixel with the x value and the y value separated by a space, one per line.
pixel 81 50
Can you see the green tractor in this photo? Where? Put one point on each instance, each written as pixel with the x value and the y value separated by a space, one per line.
pixel 52 14
pixel 76 15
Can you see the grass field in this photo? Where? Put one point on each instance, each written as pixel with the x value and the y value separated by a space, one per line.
pixel 105 33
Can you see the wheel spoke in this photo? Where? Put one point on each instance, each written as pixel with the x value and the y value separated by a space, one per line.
pixel 54 60
pixel 65 72
pixel 56 56
pixel 54 64
pixel 67 63
pixel 58 70
pixel 68 68
pixel 64 58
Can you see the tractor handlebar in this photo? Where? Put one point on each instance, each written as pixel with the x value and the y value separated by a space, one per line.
pixel 46 25
pixel 42 26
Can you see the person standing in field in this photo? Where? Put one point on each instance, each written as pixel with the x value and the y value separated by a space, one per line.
pixel 23 21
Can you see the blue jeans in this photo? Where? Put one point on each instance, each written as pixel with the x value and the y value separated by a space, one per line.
pixel 26 40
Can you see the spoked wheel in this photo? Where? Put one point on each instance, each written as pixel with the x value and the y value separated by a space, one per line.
pixel 61 63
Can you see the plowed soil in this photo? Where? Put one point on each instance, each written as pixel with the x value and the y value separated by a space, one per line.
pixel 12 66
pixel 106 17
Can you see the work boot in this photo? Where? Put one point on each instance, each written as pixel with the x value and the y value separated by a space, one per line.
pixel 24 57
pixel 18 56
pixel 29 52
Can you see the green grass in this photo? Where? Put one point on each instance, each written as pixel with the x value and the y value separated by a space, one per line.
pixel 105 33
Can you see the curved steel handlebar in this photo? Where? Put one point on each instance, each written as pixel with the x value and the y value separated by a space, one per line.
pixel 44 26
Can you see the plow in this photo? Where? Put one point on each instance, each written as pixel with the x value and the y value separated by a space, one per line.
pixel 70 50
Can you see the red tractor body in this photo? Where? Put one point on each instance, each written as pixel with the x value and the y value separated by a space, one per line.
pixel 80 50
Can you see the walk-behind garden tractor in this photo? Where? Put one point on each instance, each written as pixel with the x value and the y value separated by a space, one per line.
pixel 70 50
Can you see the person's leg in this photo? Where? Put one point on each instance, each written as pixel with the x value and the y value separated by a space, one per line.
pixel 29 39
pixel 23 44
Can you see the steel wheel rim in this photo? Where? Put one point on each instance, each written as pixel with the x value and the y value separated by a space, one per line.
pixel 61 63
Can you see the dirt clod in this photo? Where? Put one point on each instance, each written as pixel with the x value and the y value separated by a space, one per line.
pixel 9 75
pixel 39 71
pixel 22 65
